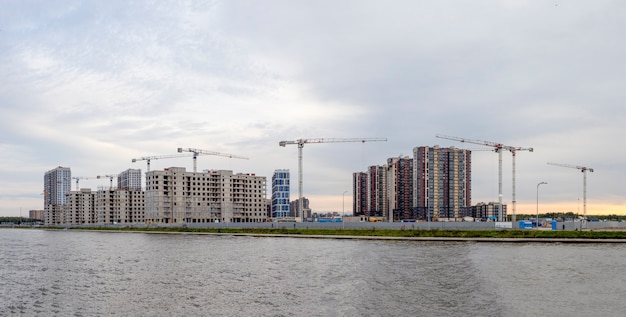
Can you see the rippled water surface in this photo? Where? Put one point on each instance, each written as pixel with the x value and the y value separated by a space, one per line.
pixel 67 273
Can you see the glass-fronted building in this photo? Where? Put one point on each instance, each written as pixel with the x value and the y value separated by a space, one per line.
pixel 280 193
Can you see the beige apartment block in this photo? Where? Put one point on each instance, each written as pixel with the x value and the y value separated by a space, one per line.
pixel 80 208
pixel 174 195
pixel 120 206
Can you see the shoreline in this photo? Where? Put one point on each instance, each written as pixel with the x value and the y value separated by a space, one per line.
pixel 365 237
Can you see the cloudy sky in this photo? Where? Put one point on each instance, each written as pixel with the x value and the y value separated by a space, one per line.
pixel 92 84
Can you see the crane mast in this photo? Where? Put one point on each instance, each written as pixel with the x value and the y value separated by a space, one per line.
pixel 300 143
pixel 110 177
pixel 197 152
pixel 584 170
pixel 498 147
pixel 78 178
pixel 158 157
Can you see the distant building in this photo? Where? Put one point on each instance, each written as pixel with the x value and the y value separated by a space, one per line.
pixel 377 191
pixel 359 194
pixel 57 183
pixel 129 179
pixel 400 188
pixel 174 195
pixel 36 214
pixel 280 194
pixel 442 182
pixel 294 205
pixel 489 211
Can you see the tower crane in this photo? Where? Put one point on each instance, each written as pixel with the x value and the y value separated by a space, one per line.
pixel 301 142
pixel 197 152
pixel 158 157
pixel 498 147
pixel 78 178
pixel 110 177
pixel 584 170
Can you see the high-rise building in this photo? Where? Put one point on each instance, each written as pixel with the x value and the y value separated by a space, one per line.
pixel 400 188
pixel 57 183
pixel 174 195
pixel 129 179
pixel 442 182
pixel 377 191
pixel 359 194
pixel 280 194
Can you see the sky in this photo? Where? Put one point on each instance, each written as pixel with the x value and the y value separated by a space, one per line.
pixel 91 85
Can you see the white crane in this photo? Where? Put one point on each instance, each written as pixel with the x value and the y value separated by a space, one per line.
pixel 300 143
pixel 158 157
pixel 197 152
pixel 498 147
pixel 110 177
pixel 78 178
pixel 584 170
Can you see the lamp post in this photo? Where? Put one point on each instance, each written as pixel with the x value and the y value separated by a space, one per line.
pixel 538 203
pixel 343 209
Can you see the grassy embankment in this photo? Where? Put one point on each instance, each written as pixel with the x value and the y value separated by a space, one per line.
pixel 546 234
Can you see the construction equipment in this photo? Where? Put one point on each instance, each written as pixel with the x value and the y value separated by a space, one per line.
pixel 498 147
pixel 197 152
pixel 300 143
pixel 110 177
pixel 584 170
pixel 158 157
pixel 78 178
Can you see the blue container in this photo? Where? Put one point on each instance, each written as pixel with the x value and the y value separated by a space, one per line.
pixel 553 224
pixel 524 224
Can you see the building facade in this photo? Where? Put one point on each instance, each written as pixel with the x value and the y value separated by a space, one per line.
pixel 359 194
pixel 376 199
pixel 294 205
pixel 488 211
pixel 81 207
pixel 174 195
pixel 400 188
pixel 280 194
pixel 442 182
pixel 119 206
pixel 129 179
pixel 57 183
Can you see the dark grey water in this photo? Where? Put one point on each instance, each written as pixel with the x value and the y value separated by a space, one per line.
pixel 64 273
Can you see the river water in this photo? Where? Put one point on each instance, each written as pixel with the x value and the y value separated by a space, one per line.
pixel 66 273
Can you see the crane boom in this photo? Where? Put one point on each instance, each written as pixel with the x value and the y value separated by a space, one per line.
pixel 78 178
pixel 197 152
pixel 110 177
pixel 498 147
pixel 584 170
pixel 301 143
pixel 158 157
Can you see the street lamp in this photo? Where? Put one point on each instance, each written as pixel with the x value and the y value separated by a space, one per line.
pixel 538 202
pixel 343 209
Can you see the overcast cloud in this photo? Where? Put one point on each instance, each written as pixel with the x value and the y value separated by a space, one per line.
pixel 91 85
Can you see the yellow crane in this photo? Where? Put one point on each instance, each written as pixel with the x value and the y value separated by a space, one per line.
pixel 158 157
pixel 197 152
pixel 498 147
pixel 301 142
pixel 584 170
